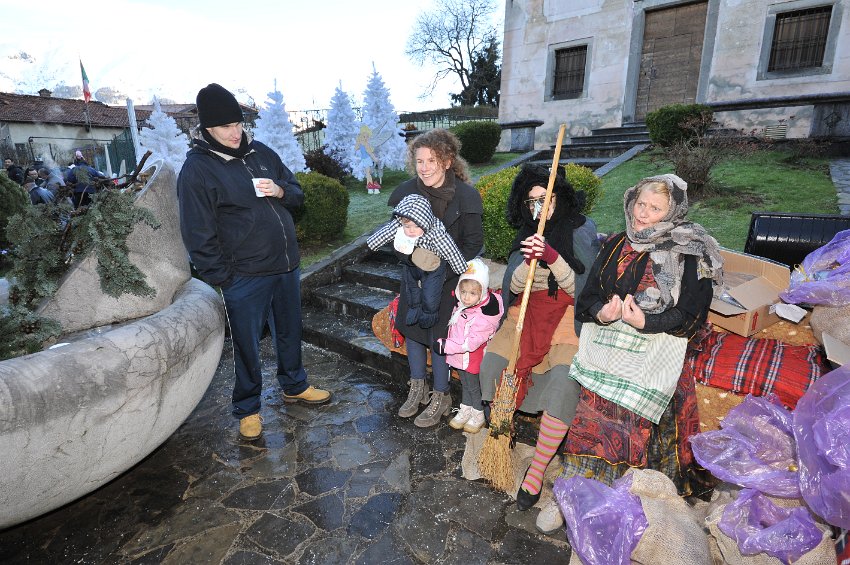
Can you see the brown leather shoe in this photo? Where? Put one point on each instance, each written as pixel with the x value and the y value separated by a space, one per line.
pixel 250 427
pixel 310 396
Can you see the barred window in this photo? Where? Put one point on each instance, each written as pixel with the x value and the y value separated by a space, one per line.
pixel 569 72
pixel 799 39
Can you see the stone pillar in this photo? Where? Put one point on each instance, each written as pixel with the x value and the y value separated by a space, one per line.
pixel 522 134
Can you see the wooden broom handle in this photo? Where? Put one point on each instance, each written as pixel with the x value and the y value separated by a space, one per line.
pixel 541 224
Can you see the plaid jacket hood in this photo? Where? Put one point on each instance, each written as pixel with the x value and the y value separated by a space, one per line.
pixel 435 239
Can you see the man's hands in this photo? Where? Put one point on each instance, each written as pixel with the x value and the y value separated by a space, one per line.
pixel 269 188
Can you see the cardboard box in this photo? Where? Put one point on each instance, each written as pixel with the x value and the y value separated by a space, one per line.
pixel 755 283
pixel 838 353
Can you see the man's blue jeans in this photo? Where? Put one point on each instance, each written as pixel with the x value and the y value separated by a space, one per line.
pixel 250 302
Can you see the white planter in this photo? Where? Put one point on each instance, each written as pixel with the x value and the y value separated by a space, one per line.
pixel 75 417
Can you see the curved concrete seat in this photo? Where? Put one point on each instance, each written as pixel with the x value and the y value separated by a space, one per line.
pixel 75 417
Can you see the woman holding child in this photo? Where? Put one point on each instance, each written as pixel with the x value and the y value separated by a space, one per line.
pixel 441 177
pixel 549 337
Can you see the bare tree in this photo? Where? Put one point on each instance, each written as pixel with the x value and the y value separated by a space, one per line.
pixel 453 36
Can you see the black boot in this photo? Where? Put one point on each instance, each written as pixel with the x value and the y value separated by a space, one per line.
pixel 524 499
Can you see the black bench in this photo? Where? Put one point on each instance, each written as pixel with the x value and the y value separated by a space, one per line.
pixel 788 238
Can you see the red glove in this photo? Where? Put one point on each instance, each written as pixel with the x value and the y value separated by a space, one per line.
pixel 540 250
pixel 549 254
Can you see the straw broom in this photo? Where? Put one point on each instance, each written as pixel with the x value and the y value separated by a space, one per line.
pixel 494 460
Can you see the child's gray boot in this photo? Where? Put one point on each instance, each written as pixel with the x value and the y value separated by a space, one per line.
pixel 441 405
pixel 418 394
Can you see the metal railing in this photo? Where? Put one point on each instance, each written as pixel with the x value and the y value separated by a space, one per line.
pixel 310 124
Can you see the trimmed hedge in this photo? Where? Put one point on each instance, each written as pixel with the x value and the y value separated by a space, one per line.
pixel 498 234
pixel 678 122
pixel 495 189
pixel 478 140
pixel 325 212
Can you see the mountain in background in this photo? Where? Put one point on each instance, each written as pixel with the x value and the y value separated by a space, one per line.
pixel 22 73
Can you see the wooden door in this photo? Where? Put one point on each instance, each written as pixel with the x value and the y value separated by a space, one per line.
pixel 670 61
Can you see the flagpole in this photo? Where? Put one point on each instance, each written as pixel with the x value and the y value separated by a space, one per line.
pixel 86 96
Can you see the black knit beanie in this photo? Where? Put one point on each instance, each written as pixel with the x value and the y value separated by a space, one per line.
pixel 217 106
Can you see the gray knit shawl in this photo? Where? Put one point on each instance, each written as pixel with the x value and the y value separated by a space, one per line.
pixel 667 241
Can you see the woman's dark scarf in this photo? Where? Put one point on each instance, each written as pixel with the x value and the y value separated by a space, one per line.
pixel 558 231
pixel 439 196
pixel 240 152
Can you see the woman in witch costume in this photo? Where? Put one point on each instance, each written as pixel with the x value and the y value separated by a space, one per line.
pixel 549 337
pixel 647 294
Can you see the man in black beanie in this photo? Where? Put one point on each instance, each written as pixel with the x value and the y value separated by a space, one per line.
pixel 236 198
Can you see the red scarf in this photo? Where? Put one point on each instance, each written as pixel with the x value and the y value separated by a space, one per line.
pixel 542 317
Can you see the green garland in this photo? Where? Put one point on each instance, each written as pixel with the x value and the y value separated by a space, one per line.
pixel 46 239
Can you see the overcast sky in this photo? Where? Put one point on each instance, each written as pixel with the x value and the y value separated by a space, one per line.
pixel 174 47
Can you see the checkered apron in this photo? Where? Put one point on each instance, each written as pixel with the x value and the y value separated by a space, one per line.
pixel 635 370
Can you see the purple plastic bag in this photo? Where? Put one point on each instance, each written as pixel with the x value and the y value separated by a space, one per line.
pixel 822 430
pixel 759 526
pixel 604 524
pixel 754 449
pixel 824 275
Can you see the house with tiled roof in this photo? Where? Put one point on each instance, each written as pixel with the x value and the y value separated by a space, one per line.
pixel 45 129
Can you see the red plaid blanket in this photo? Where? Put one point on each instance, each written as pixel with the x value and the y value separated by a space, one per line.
pixel 757 366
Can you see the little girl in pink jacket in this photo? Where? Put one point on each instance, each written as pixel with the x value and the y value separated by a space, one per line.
pixel 473 322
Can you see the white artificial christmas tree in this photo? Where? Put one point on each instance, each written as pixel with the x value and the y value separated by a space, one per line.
pixel 380 116
pixel 275 130
pixel 342 130
pixel 163 138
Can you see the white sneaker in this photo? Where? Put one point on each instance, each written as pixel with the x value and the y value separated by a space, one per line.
pixel 550 517
pixel 463 414
pixel 475 422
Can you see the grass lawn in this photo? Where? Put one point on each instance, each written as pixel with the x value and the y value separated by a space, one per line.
pixel 367 211
pixel 763 181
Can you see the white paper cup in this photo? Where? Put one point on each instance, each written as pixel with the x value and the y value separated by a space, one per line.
pixel 257 191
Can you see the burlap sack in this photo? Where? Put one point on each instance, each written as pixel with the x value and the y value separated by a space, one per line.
pixel 674 535
pixel 521 456
pixel 833 320
pixel 724 549
pixel 713 404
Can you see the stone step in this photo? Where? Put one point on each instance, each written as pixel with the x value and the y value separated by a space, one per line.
pixel 375 271
pixel 589 162
pixel 636 137
pixel 351 337
pixel 351 299
pixel 634 128
pixel 592 150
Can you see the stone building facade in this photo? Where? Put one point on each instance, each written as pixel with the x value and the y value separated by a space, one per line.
pixel 780 66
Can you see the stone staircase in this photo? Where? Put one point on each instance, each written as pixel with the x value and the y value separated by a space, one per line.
pixel 600 148
pixel 337 311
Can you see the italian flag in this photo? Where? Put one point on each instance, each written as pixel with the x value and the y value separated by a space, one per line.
pixel 86 91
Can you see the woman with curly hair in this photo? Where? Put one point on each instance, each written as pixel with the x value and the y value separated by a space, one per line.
pixel 550 334
pixel 441 177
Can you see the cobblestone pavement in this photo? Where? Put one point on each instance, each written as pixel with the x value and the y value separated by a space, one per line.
pixel 347 482
pixel 839 170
